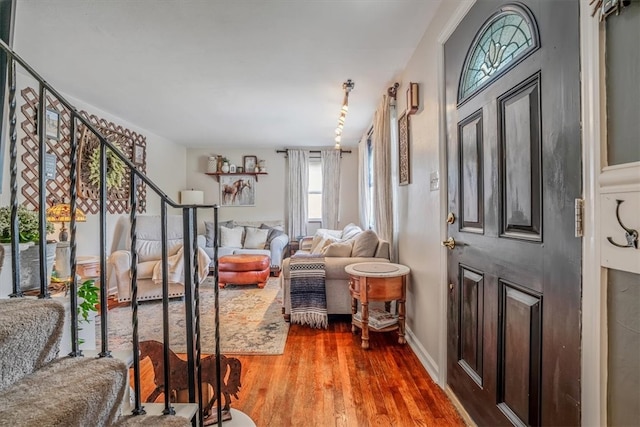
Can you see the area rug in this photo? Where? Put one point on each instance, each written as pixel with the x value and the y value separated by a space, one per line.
pixel 251 321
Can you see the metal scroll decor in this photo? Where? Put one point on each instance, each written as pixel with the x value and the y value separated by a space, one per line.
pixel 630 234
pixel 404 161
pixel 132 144
pixel 604 8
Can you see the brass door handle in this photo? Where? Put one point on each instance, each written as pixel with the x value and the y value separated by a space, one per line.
pixel 449 243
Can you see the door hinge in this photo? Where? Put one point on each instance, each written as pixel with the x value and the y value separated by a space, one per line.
pixel 579 215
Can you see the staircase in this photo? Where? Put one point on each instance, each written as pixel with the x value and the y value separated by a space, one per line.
pixel 40 387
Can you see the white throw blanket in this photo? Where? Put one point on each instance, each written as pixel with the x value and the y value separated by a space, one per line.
pixel 175 267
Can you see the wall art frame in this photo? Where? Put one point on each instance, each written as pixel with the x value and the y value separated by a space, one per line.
pixel 52 124
pixel 404 159
pixel 249 163
pixel 237 190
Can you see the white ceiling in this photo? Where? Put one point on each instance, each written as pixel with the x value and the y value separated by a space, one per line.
pixel 258 73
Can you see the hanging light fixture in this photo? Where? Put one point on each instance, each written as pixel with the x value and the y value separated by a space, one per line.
pixel 347 87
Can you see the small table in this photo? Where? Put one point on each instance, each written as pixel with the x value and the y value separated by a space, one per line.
pixel 377 281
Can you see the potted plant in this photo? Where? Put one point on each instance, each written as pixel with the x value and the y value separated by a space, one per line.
pixel 29 234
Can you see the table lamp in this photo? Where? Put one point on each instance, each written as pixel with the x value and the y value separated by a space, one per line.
pixel 61 212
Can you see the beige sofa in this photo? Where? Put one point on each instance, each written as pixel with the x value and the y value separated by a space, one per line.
pixel 349 244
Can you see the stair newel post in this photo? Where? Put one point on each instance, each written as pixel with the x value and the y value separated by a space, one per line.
pixel 138 408
pixel 75 345
pixel 217 316
pixel 42 192
pixel 104 327
pixel 13 166
pixel 193 358
pixel 168 409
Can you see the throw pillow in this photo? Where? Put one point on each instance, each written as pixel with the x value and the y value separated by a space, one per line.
pixel 326 241
pixel 365 244
pixel 255 238
pixel 338 249
pixel 317 238
pixel 273 233
pixel 350 231
pixel 210 231
pixel 231 237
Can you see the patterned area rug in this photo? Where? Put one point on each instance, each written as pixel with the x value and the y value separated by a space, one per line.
pixel 251 321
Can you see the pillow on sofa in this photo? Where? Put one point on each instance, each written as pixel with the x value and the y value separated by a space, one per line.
pixel 365 244
pixel 338 249
pixel 274 232
pixel 231 237
pixel 210 231
pixel 326 241
pixel 255 238
pixel 350 231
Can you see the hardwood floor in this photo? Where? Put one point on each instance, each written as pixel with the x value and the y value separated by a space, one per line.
pixel 326 379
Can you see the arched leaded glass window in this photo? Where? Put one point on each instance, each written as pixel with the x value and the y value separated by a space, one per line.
pixel 505 39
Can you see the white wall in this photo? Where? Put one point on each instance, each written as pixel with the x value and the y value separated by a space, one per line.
pixel 165 166
pixel 419 216
pixel 271 201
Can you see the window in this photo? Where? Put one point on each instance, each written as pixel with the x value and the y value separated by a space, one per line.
pixel 314 201
pixel 503 41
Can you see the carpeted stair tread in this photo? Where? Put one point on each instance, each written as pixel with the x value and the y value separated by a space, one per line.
pixel 30 333
pixel 153 421
pixel 67 392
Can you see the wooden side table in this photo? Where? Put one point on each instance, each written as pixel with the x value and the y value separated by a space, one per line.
pixel 377 281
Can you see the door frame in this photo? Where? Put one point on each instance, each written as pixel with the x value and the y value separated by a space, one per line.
pixel 594 339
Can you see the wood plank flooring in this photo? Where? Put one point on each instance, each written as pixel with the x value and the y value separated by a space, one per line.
pixel 325 378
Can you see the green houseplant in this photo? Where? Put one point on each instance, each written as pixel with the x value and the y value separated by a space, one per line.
pixel 28 225
pixel 28 233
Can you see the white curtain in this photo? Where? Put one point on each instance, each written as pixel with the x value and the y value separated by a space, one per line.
pixel 382 200
pixel 298 177
pixel 330 160
pixel 363 182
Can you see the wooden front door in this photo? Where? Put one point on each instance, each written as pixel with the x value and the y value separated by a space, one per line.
pixel 514 172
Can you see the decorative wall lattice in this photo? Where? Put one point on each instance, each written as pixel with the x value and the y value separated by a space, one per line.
pixel 58 188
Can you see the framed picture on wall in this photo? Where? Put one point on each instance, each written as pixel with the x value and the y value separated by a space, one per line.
pixel 237 190
pixel 404 160
pixel 249 163
pixel 52 124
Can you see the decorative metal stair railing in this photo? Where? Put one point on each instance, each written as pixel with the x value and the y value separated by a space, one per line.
pixel 190 248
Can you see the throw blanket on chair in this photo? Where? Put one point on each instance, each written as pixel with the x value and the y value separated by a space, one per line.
pixel 308 296
pixel 175 267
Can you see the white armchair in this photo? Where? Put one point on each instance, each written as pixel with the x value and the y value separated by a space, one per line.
pixel 149 250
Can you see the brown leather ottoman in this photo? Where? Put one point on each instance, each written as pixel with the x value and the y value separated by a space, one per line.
pixel 243 270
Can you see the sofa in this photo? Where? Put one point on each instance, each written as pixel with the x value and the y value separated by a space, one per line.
pixel 149 251
pixel 339 249
pixel 248 237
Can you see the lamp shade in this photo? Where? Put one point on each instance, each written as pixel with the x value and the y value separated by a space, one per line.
pixel 61 212
pixel 192 197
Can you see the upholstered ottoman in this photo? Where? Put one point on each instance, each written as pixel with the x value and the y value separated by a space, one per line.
pixel 243 270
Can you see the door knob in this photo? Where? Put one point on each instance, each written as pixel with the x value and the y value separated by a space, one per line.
pixel 451 218
pixel 449 243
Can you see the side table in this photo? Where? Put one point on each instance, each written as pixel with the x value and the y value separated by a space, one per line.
pixel 377 281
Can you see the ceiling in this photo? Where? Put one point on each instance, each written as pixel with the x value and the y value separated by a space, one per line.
pixel 246 73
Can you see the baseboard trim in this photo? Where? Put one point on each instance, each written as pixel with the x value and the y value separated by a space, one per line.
pixel 463 412
pixel 423 355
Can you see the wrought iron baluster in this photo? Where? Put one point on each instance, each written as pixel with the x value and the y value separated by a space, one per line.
pixel 104 329
pixel 138 409
pixel 42 192
pixel 75 345
pixel 13 165
pixel 217 316
pixel 168 409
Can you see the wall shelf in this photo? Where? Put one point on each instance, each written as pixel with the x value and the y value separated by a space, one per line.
pixel 217 175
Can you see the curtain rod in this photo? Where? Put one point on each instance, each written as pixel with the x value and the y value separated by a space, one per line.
pixel 286 150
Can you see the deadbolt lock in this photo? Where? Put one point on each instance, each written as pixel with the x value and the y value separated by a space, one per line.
pixel 451 218
pixel 449 243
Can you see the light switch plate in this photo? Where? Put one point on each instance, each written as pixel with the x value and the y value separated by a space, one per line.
pixel 434 181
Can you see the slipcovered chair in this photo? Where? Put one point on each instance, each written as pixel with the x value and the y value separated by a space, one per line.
pixel 149 250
